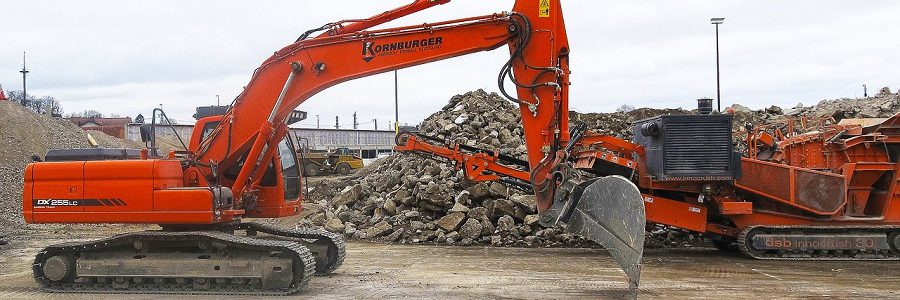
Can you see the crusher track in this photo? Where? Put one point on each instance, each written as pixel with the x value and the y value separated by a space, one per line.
pixel 230 263
pixel 834 243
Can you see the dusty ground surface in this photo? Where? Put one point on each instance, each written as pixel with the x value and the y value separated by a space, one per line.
pixel 374 271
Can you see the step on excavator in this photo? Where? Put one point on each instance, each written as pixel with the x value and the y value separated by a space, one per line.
pixel 241 165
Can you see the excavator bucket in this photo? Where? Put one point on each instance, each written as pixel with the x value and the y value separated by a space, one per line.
pixel 610 211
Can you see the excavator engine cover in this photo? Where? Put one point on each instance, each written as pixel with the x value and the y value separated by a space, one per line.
pixel 610 212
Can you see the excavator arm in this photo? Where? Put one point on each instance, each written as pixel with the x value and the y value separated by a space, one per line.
pixel 256 122
pixel 478 165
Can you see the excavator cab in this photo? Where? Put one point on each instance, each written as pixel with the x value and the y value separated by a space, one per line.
pixel 280 186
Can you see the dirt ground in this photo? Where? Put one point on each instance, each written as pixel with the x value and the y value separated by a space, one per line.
pixel 375 271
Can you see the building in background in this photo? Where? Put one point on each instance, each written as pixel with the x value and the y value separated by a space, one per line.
pixel 116 127
pixel 366 144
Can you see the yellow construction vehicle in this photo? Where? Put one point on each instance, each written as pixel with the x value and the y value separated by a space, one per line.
pixel 338 161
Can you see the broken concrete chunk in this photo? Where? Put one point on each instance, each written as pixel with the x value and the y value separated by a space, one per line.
pixel 459 208
pixel 335 225
pixel 470 230
pixel 479 191
pixel 527 202
pixel 451 221
pixel 499 189
pixel 506 223
pixel 377 230
pixel 531 220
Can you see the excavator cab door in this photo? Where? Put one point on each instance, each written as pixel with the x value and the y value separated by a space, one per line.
pixel 290 168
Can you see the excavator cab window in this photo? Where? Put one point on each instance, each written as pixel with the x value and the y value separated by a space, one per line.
pixel 290 170
pixel 208 128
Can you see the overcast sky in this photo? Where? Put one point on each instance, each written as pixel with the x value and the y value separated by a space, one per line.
pixel 127 57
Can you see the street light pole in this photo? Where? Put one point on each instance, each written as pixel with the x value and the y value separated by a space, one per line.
pixel 24 72
pixel 396 104
pixel 718 21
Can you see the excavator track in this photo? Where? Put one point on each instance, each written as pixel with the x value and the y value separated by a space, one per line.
pixel 328 248
pixel 820 242
pixel 161 262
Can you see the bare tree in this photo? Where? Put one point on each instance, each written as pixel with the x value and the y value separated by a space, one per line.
pixel 15 96
pixel 49 105
pixel 88 113
pixel 625 108
pixel 42 105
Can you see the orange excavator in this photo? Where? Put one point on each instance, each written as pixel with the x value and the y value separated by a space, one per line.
pixel 241 165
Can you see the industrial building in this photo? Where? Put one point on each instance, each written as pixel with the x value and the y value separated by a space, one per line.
pixel 366 143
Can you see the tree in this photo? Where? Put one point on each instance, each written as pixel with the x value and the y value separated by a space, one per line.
pixel 625 108
pixel 87 113
pixel 16 96
pixel 52 106
pixel 42 105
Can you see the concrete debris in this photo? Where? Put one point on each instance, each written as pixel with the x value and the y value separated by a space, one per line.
pixel 451 221
pixel 884 92
pixel 377 230
pixel 335 225
pixel 470 230
pixel 882 105
pixel 459 207
pixel 430 201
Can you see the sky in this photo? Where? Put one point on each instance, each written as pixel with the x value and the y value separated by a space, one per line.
pixel 128 57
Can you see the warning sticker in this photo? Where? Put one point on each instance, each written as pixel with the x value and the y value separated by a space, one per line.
pixel 544 10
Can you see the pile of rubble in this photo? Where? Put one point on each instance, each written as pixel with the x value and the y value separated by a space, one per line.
pixel 618 124
pixel 884 104
pixel 410 199
pixel 479 119
pixel 25 134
